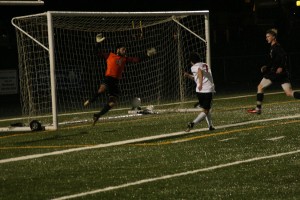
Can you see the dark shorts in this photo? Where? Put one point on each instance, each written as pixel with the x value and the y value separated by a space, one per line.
pixel 278 78
pixel 205 100
pixel 112 86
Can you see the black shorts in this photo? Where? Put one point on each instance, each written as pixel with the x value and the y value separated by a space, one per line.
pixel 278 78
pixel 205 100
pixel 112 86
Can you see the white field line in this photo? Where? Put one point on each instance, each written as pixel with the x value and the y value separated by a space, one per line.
pixel 118 109
pixel 232 138
pixel 143 181
pixel 276 138
pixel 143 139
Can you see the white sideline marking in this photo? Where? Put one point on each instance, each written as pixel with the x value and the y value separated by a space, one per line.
pixel 233 138
pixel 275 138
pixel 137 140
pixel 175 175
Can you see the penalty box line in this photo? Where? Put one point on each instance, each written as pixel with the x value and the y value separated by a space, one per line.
pixel 143 139
pixel 169 176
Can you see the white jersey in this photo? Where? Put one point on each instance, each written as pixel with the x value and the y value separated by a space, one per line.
pixel 207 82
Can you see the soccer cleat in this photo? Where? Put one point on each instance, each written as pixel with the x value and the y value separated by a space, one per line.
pixel 211 128
pixel 86 103
pixel 189 126
pixel 254 111
pixel 95 118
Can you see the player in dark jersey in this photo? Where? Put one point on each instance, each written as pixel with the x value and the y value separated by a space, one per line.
pixel 115 66
pixel 274 71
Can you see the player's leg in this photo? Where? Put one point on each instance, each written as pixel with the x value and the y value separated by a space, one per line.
pixel 209 121
pixel 287 88
pixel 114 92
pixel 208 117
pixel 111 103
pixel 101 90
pixel 296 95
pixel 260 95
pixel 205 100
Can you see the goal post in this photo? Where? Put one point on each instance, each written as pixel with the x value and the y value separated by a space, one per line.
pixel 59 66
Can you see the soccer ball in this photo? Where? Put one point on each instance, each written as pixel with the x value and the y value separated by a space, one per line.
pixel 136 103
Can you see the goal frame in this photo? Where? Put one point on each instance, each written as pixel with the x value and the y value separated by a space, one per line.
pixel 22 3
pixel 51 47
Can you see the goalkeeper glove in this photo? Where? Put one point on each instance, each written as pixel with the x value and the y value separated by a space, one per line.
pixel 100 38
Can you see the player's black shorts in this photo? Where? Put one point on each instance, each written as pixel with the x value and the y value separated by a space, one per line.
pixel 112 86
pixel 205 100
pixel 278 78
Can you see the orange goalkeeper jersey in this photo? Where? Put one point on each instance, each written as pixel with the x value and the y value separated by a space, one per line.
pixel 116 64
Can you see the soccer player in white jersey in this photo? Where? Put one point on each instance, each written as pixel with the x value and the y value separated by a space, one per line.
pixel 205 88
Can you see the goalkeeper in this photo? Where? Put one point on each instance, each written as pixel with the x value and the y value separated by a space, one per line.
pixel 115 66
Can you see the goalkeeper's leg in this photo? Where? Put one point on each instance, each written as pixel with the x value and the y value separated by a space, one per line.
pixel 111 103
pixel 101 90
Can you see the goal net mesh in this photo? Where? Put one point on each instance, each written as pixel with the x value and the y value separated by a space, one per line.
pixel 79 70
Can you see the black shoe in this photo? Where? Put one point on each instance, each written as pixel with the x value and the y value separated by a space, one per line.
pixel 190 126
pixel 211 128
pixel 95 118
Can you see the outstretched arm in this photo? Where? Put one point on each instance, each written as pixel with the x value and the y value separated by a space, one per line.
pixel 190 76
pixel 99 41
pixel 103 54
pixel 149 53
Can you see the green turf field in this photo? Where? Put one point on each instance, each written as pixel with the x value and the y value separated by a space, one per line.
pixel 151 157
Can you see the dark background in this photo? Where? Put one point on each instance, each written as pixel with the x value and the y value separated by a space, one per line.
pixel 237 27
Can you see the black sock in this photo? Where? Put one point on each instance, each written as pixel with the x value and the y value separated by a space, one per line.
pixel 105 109
pixel 296 95
pixel 260 97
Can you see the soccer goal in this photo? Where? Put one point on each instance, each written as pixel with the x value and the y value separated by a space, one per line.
pixel 59 66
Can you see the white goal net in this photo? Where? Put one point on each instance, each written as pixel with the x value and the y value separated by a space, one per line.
pixel 59 66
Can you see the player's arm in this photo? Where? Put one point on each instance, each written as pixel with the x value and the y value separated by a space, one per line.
pixel 281 62
pixel 149 53
pixel 200 78
pixel 188 75
pixel 103 55
pixel 278 60
pixel 99 40
pixel 133 59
